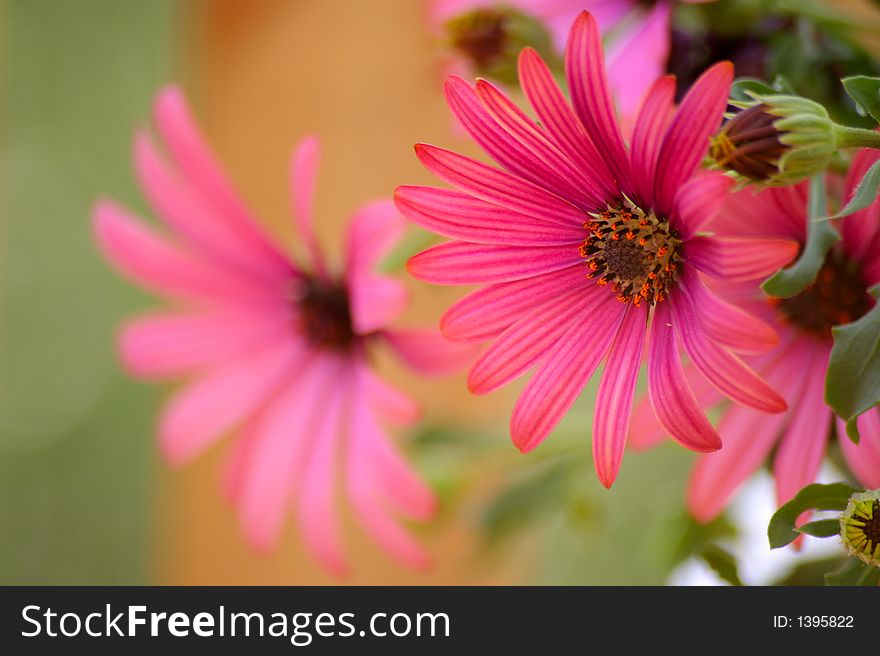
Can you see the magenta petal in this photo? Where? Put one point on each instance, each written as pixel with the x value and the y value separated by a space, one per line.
pixel 591 95
pixel 615 398
pixel 429 352
pixel 498 187
pixel 303 181
pixel 863 458
pixel 559 380
pixel 461 263
pixel 487 312
pixel 460 216
pixel 374 301
pixel 372 232
pixel 521 346
pixel 736 259
pixel 558 119
pixel 699 200
pixel 861 230
pixel 803 446
pixel 745 214
pixel 653 118
pixel 391 404
pixel 687 138
pixel 725 371
pixel 671 397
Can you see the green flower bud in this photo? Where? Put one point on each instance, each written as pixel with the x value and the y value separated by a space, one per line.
pixel 775 141
pixel 491 38
pixel 860 527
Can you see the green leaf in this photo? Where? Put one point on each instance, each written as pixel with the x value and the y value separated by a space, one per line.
pixel 852 385
pixel 822 528
pixel 866 193
pixel 782 531
pixel 722 562
pixel 854 572
pixel 742 87
pixel 791 281
pixel 866 92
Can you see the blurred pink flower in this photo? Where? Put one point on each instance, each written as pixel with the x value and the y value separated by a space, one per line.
pixel 638 35
pixel 272 348
pixel 573 202
pixel 797 366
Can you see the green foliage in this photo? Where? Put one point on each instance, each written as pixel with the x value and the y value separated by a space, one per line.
pixel 821 528
pixel 865 91
pixel 854 572
pixel 722 563
pixel 865 194
pixel 781 530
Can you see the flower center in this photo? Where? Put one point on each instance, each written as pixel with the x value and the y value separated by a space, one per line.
pixel 861 528
pixel 749 144
pixel 480 35
pixel 326 319
pixel 636 253
pixel 838 296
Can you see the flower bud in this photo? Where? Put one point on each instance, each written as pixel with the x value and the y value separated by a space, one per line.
pixel 860 527
pixel 491 39
pixel 775 140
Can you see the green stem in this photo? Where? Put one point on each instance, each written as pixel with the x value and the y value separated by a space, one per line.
pixel 856 137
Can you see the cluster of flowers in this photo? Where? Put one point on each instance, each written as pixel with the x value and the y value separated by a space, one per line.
pixel 594 240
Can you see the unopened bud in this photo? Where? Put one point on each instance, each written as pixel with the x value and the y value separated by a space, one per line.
pixel 860 527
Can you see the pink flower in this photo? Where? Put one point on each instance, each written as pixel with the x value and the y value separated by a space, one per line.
pixel 271 349
pixel 797 366
pixel 639 35
pixel 580 242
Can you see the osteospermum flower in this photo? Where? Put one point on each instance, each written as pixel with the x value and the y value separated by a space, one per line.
pixel 271 348
pixel 797 366
pixel 487 35
pixel 584 245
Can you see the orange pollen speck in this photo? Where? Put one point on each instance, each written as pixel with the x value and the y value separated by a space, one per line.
pixel 637 253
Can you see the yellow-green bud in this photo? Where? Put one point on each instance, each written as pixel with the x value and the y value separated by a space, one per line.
pixel 860 527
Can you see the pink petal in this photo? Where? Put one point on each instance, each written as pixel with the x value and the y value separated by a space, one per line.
pixel 863 458
pixel 735 259
pixel 699 200
pixel 861 230
pixel 461 263
pixel 558 119
pixel 460 216
pixel 687 138
pixel 498 187
pixel 638 57
pixel 615 398
pixel 722 369
pixel 671 397
pixel 591 95
pixel 524 343
pixel 485 313
pixel 161 345
pixel 428 352
pixel 149 260
pixel 372 232
pixel 778 212
pixel 303 181
pixel 198 414
pixel 374 301
pixel 653 118
pixel 210 184
pixel 559 380
pixel 803 446
pixel 390 403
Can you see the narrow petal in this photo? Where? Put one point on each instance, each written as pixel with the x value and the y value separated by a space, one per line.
pixel 372 232
pixel 559 120
pixel 197 415
pixel 863 458
pixel 498 187
pixel 687 138
pixel 615 398
pixel 591 95
pixel 725 371
pixel 374 301
pixel 487 312
pixel 699 200
pixel 650 126
pixel 522 345
pixel 746 213
pixel 736 259
pixel 391 404
pixel 559 380
pixel 303 181
pixel 460 216
pixel 461 263
pixel 428 351
pixel 671 397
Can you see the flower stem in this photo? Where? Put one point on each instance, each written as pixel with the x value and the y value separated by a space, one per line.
pixel 856 137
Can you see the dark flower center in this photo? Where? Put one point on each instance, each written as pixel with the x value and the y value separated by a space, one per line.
pixel 634 252
pixel 326 318
pixel 838 296
pixel 749 144
pixel 861 529
pixel 480 35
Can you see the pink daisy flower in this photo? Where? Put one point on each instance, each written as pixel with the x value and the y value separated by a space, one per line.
pixel 584 245
pixel 639 36
pixel 797 366
pixel 276 350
